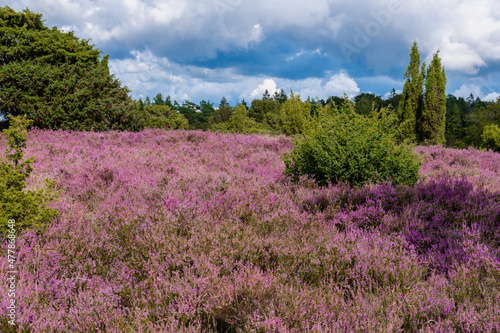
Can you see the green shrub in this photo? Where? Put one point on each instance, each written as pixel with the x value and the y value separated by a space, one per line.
pixel 28 209
pixel 491 137
pixel 295 115
pixel 162 116
pixel 241 123
pixel 342 146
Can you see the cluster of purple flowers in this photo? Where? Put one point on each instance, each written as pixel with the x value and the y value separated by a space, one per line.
pixel 191 231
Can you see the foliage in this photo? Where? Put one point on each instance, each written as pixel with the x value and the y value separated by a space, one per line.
pixel 162 116
pixel 261 109
pixel 454 131
pixel 365 103
pixel 192 231
pixel 57 80
pixel 294 115
pixel 483 115
pixel 239 122
pixel 411 100
pixel 432 121
pixel 222 114
pixel 28 208
pixel 342 146
pixel 491 137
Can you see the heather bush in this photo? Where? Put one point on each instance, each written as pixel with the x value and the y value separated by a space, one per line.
pixel 432 216
pixel 191 231
pixel 342 146
pixel 27 208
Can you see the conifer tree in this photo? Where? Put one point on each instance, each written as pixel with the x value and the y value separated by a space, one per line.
pixel 412 95
pixel 433 119
pixel 58 80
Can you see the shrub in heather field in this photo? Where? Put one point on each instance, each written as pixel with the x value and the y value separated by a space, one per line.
pixel 342 146
pixel 27 208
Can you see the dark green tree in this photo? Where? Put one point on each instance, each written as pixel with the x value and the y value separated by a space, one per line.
pixel 392 100
pixel 366 102
pixel 454 127
pixel 207 111
pixel 191 111
pixel 158 100
pixel 485 114
pixel 222 114
pixel 261 107
pixel 58 80
pixel 280 96
pixel 432 122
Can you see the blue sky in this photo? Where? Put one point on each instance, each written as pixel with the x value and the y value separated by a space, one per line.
pixel 203 50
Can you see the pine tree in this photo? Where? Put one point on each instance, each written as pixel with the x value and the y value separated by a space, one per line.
pixel 432 123
pixel 412 93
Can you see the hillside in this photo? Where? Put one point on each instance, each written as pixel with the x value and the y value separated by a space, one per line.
pixel 191 231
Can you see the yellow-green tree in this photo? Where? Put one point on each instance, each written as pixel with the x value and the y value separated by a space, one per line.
pixel 295 115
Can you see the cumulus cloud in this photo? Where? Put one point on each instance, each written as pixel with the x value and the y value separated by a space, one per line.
pixel 491 97
pixel 268 85
pixel 460 57
pixel 341 83
pixel 256 38
pixel 465 91
pixel 146 74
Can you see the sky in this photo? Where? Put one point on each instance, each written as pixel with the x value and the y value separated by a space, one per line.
pixel 203 50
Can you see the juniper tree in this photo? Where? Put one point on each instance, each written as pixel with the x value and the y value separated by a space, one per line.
pixel 410 104
pixel 432 122
pixel 57 79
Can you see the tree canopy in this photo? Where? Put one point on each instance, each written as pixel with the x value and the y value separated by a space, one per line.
pixel 57 79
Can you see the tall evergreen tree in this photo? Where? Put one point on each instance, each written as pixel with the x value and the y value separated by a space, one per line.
pixel 408 108
pixel 432 122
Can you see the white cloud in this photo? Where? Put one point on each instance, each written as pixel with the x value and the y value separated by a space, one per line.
pixel 465 91
pixel 465 32
pixel 491 97
pixel 387 94
pixel 147 74
pixel 268 85
pixel 459 56
pixel 341 83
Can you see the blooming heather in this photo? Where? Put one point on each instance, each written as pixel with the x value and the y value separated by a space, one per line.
pixel 190 231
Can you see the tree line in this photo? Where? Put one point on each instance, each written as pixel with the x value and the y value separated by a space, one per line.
pixel 62 82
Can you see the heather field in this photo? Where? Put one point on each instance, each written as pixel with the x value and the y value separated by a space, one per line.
pixel 191 231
